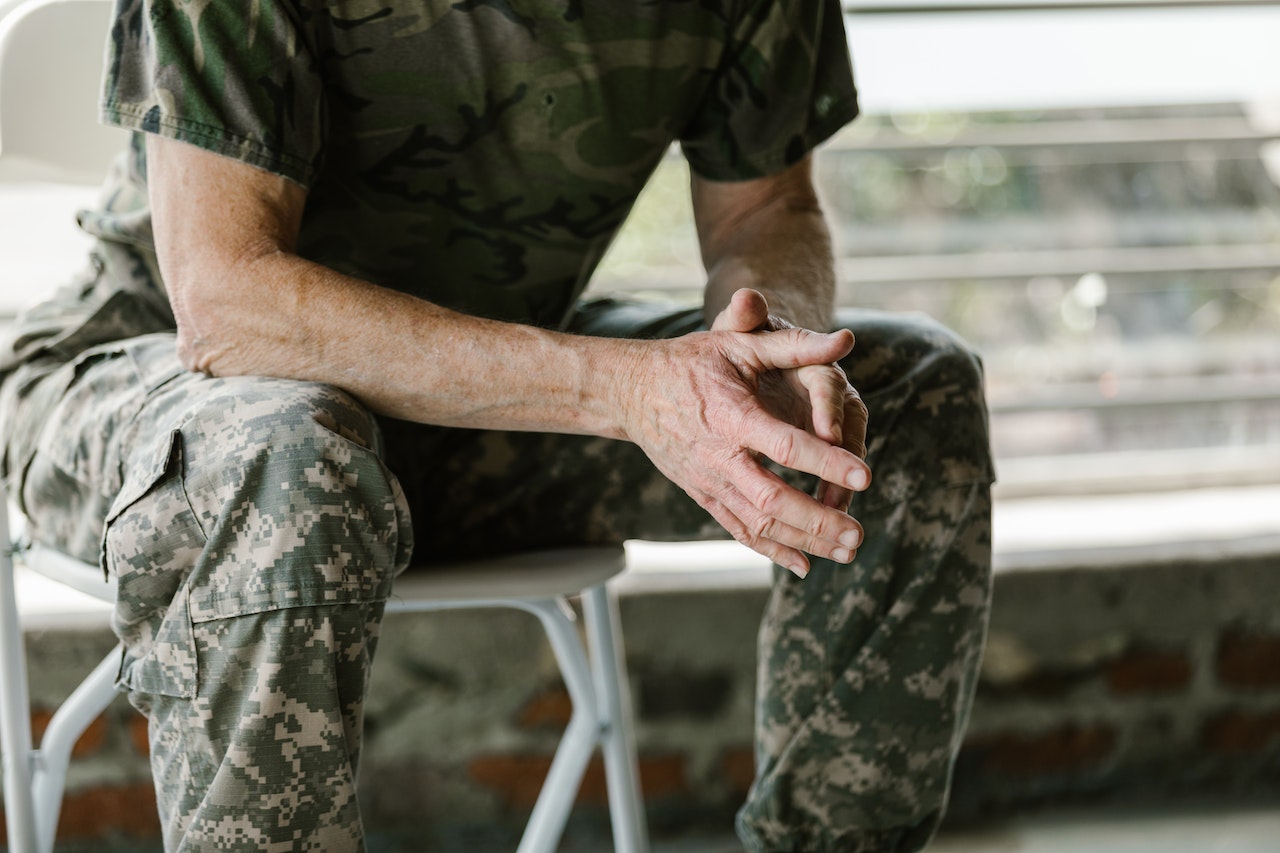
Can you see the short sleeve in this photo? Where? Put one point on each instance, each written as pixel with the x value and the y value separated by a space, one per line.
pixel 235 77
pixel 784 85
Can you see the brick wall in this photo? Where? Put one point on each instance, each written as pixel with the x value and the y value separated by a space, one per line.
pixel 1101 684
pixel 1155 680
pixel 110 802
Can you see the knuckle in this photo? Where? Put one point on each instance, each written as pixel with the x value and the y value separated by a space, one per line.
pixel 818 529
pixel 769 498
pixel 833 469
pixel 733 525
pixel 761 527
pixel 783 447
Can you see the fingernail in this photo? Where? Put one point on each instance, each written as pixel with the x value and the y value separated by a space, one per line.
pixel 840 555
pixel 857 480
pixel 799 570
pixel 851 538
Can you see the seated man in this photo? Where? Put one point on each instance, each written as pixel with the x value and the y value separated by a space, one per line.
pixel 332 324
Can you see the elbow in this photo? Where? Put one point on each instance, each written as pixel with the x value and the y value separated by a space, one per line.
pixel 236 317
pixel 193 352
pixel 198 343
pixel 208 325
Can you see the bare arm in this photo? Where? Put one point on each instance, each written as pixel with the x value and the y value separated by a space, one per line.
pixel 768 235
pixel 245 303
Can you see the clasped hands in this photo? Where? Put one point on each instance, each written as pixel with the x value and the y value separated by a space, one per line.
pixel 712 406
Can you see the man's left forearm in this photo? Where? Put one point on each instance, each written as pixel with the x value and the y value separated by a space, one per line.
pixel 775 240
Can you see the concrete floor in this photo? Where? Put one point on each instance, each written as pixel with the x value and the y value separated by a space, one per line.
pixel 1220 829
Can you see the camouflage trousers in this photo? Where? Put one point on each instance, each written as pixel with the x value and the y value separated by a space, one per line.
pixel 256 526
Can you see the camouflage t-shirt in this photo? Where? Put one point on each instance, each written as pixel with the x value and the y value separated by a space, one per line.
pixel 479 153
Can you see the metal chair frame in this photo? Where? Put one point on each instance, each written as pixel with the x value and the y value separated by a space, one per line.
pixel 35 774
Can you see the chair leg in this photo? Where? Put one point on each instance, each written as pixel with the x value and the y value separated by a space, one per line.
pixel 622 773
pixel 560 788
pixel 15 706
pixel 73 716
pixel 34 779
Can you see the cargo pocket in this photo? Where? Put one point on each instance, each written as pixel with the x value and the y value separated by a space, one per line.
pixel 72 473
pixel 150 545
pixel 318 521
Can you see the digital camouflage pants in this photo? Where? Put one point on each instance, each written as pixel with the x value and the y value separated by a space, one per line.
pixel 256 527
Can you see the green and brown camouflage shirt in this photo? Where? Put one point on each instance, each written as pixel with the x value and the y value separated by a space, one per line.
pixel 477 153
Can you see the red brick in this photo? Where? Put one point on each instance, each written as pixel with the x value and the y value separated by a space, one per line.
pixel 1064 750
pixel 110 810
pixel 738 769
pixel 1249 660
pixel 1046 684
pixel 662 776
pixel 517 779
pixel 1148 671
pixel 549 708
pixel 90 741
pixel 1239 732
pixel 138 734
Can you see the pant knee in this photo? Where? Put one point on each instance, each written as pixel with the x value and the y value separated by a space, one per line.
pixel 278 448
pixel 248 497
pixel 299 484
pixel 282 494
pixel 924 388
pixel 892 349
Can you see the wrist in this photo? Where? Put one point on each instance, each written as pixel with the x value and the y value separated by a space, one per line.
pixel 610 378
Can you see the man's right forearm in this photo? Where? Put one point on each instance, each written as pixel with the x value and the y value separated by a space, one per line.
pixel 277 314
pixel 246 303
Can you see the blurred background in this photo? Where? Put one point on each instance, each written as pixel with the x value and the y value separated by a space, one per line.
pixel 1090 197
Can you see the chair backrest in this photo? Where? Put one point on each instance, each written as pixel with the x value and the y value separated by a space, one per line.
pixel 51 58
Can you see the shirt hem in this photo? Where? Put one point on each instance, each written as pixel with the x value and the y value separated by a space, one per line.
pixel 209 138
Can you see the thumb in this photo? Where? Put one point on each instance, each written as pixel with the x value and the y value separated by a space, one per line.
pixel 747 311
pixel 792 348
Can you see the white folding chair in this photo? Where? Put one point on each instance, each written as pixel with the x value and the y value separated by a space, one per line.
pixel 34 778
pixel 537 582
pixel 50 54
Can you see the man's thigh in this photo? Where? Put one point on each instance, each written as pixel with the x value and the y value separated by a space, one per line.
pixel 244 456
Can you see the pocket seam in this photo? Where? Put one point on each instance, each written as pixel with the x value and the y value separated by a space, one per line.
pixel 139 678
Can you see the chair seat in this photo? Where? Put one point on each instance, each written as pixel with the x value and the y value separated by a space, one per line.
pixel 80 576
pixel 537 574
